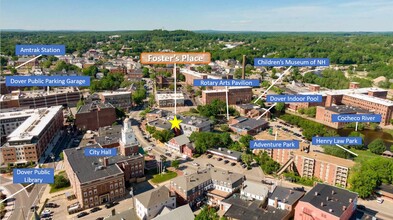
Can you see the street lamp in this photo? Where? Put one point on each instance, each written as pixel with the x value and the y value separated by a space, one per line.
pixel 52 156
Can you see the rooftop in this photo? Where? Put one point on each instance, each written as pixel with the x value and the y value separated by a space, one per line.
pixel 115 93
pixel 330 199
pixel 18 94
pixel 160 123
pixel 182 139
pixel 183 212
pixel 89 168
pixel 95 105
pixel 226 152
pixel 343 109
pixel 35 124
pixel 326 158
pixel 344 91
pixel 199 122
pixel 255 188
pixel 250 124
pixel 224 90
pixel 286 195
pixel 251 210
pixel 373 99
pixel 154 197
pixel 164 96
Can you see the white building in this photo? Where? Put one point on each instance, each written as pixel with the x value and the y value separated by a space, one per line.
pixel 168 99
pixel 254 190
pixel 149 204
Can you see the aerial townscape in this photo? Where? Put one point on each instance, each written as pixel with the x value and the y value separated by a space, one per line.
pixel 167 111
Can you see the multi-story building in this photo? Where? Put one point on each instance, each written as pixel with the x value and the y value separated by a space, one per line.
pixel 183 212
pixel 329 169
pixel 149 204
pixel 214 183
pixel 95 180
pixel 10 119
pixel 381 106
pixel 254 191
pixel 121 100
pixel 236 95
pixel 324 114
pixel 67 96
pixel 30 139
pixel 164 82
pixel 285 199
pixel 93 115
pixel 181 144
pixel 168 99
pixel 194 124
pixel 326 202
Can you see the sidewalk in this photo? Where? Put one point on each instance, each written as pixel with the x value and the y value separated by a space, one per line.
pixel 51 145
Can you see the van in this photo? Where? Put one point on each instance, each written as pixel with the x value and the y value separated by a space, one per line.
pixel 380 200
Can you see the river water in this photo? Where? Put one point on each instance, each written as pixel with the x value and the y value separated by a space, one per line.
pixel 370 135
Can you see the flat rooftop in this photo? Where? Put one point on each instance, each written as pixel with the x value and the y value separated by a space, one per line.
pixel 35 124
pixel 380 101
pixel 224 90
pixel 115 93
pixel 18 94
pixel 345 91
pixel 197 74
pixel 93 106
pixel 17 113
pixel 344 109
pixel 165 96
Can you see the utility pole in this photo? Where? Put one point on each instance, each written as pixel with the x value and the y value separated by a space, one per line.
pixel 244 67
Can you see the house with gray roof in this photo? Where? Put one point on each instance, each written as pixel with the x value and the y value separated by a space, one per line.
pixel 182 145
pixel 183 212
pixel 150 203
pixel 244 126
pixel 213 183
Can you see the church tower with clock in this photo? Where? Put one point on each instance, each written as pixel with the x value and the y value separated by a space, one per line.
pixel 128 143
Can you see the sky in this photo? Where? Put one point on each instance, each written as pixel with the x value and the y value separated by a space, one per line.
pixel 228 15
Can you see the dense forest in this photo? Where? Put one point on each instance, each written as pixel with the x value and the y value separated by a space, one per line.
pixel 368 51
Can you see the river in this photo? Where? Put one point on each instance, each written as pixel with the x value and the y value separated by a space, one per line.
pixel 370 135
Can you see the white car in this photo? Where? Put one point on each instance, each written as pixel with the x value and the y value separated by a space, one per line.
pixel 195 164
pixel 46 212
pixel 380 200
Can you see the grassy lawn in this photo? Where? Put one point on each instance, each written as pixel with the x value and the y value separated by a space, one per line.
pixel 159 178
pixel 363 155
pixel 53 190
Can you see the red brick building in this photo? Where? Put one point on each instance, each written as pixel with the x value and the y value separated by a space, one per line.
pixel 94 115
pixel 326 202
pixel 236 95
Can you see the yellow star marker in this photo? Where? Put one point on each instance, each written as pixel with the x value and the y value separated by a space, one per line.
pixel 175 123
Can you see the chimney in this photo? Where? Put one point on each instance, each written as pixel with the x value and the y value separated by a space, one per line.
pixel 350 200
pixel 244 67
pixel 275 202
pixel 330 210
pixel 344 207
pixel 321 204
pixel 290 191
pixel 327 198
pixel 316 193
pixel 332 192
pixel 106 162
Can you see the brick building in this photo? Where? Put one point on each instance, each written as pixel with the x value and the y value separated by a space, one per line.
pixel 326 202
pixel 67 96
pixel 31 138
pixel 93 115
pixel 244 126
pixel 236 95
pixel 95 180
pixel 324 114
pixel 121 100
pixel 310 163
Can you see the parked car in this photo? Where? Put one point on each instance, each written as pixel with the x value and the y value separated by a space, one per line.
pixel 110 204
pixel 80 215
pixel 33 208
pixel 46 211
pixel 95 209
pixel 226 161
pixel 233 164
pixel 100 218
pixel 380 200
pixel 209 156
pixel 51 205
pixel 195 164
pixel 219 159
pixel 209 165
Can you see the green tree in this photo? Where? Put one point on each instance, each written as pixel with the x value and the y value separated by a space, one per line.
pixel 224 127
pixel 247 158
pixel 357 134
pixel 175 164
pixel 163 136
pixel 280 107
pixel 60 182
pixel 61 155
pixel 207 213
pixel 245 141
pixel 80 103
pixel 377 146
pixel 145 72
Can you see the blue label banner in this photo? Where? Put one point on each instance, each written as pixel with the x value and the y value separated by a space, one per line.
pixel 291 62
pixel 100 152
pixel 337 140
pixel 274 144
pixel 26 50
pixel 33 175
pixel 47 81
pixel 226 82
pixel 294 98
pixel 356 118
